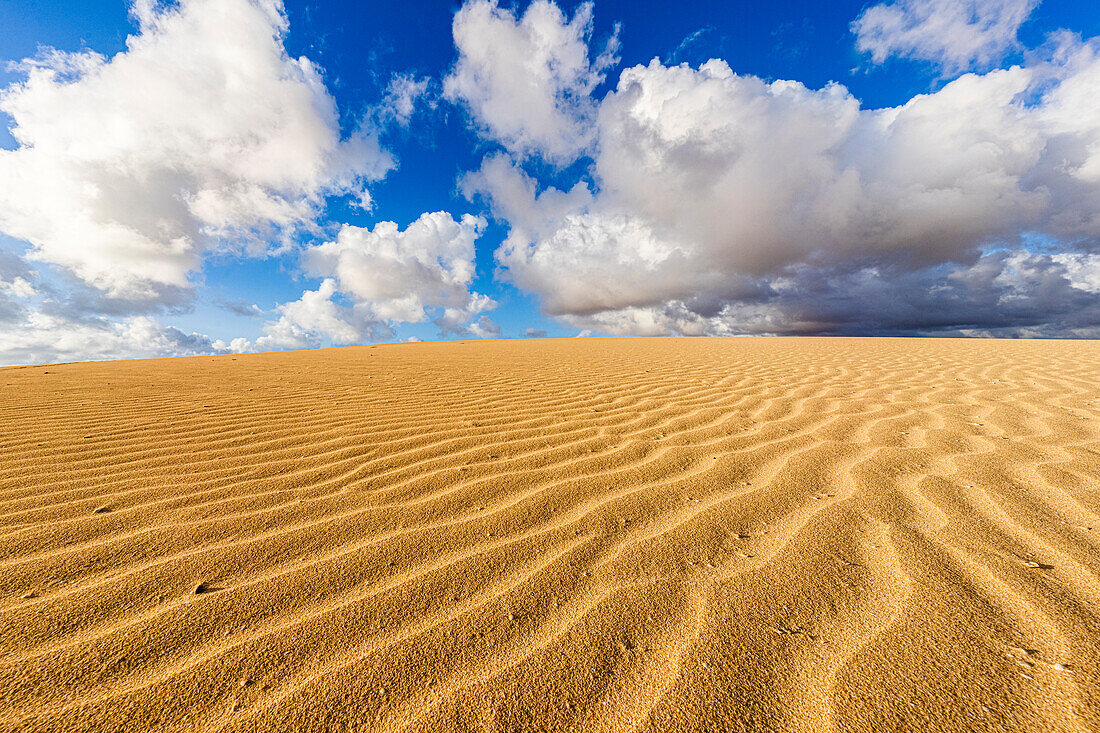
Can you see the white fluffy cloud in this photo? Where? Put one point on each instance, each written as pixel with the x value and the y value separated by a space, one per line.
pixel 527 81
pixel 956 34
pixel 309 322
pixel 397 275
pixel 718 200
pixel 386 276
pixel 43 337
pixel 203 134
pixel 40 324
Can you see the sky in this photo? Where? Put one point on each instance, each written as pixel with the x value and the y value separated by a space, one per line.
pixel 226 176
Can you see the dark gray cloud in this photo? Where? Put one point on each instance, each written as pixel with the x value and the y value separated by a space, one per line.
pixel 242 308
pixel 1003 292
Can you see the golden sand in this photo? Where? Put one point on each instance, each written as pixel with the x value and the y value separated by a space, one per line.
pixel 600 535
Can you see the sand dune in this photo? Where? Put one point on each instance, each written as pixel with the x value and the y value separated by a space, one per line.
pixel 603 535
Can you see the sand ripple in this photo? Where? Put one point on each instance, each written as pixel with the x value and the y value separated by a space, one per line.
pixel 605 535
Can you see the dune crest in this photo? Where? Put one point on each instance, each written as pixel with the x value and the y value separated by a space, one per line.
pixel 590 534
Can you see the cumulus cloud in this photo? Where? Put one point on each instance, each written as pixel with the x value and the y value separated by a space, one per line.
pixel 957 34
pixel 1003 293
pixel 485 328
pixel 719 201
pixel 40 336
pixel 399 274
pixel 202 135
pixel 527 81
pixel 41 324
pixel 375 278
pixel 310 321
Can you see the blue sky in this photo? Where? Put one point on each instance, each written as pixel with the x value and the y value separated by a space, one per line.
pixel 918 167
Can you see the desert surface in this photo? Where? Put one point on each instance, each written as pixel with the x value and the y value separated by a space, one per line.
pixel 588 534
